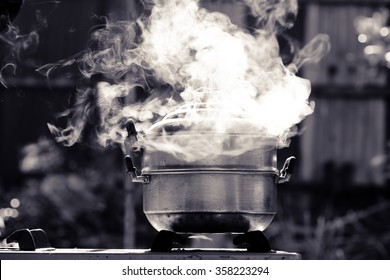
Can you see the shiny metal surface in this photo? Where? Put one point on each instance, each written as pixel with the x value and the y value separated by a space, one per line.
pixel 224 193
pixel 259 159
pixel 209 201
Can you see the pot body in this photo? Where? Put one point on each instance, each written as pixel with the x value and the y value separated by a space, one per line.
pixel 261 157
pixel 224 193
pixel 204 201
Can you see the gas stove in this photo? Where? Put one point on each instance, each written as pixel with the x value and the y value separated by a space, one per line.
pixel 141 254
pixel 34 244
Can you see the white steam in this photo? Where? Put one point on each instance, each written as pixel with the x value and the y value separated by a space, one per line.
pixel 218 79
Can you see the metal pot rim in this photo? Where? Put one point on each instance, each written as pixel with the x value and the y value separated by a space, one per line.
pixel 184 171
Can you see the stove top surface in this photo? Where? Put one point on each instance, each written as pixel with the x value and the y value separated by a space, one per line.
pixel 143 254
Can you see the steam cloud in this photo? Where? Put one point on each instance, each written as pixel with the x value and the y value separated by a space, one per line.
pixel 14 46
pixel 18 48
pixel 214 79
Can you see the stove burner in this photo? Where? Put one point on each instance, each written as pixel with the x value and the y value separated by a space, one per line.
pixel 255 241
pixel 165 240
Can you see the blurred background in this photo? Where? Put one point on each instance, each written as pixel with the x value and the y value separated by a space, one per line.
pixel 337 205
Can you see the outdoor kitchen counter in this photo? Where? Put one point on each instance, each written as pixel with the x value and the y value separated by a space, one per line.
pixel 141 254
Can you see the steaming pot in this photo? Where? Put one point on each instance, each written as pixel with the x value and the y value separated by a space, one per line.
pixel 213 195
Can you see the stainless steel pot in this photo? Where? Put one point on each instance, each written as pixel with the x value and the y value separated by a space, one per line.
pixel 222 194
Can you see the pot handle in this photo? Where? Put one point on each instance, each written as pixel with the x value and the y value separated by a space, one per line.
pixel 288 168
pixel 132 171
pixel 133 151
pixel 132 136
